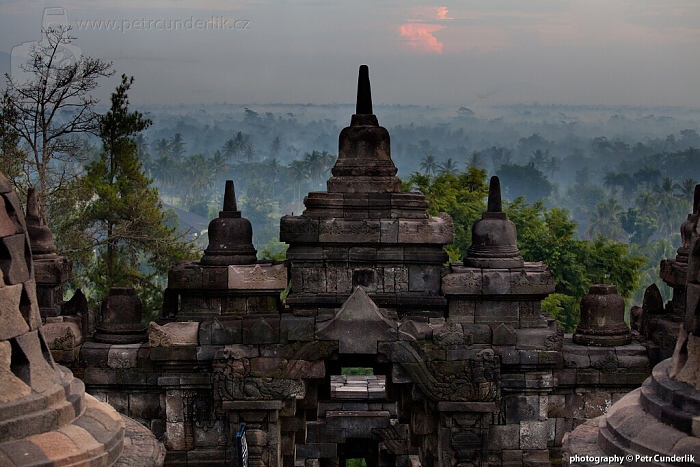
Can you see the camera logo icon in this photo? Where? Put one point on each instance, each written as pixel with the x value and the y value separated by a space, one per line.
pixel 53 19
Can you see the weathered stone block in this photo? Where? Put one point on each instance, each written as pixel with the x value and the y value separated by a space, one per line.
pixel 185 276
pixel 175 436
pixel 357 424
pixel 123 356
pixel 297 328
pixel 145 405
pixel 264 304
pixel 258 277
pixel 529 282
pixel 15 267
pixel 226 331
pixel 173 334
pixel 496 281
pixel 508 354
pixel 12 323
pixel 238 351
pixel 264 367
pixel 534 435
pixel 503 334
pixel 262 330
pixel 461 311
pixel 464 281
pixel 504 436
pixel 215 277
pixel 522 408
pixel 200 305
pixel 314 280
pixel 298 229
pixel 496 311
pixel 423 279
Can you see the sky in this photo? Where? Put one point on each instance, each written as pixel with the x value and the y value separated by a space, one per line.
pixel 461 52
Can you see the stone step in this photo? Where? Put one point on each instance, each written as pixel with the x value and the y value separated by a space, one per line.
pixel 664 411
pixel 680 395
pixel 628 429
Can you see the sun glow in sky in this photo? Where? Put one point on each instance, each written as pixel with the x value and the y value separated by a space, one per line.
pixel 617 52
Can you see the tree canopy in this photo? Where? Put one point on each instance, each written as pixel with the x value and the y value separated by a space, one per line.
pixel 544 234
pixel 121 220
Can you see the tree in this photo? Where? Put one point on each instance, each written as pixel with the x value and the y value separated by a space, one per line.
pixel 429 165
pixel 461 195
pixel 548 235
pixel 524 180
pixel 177 146
pixel 51 108
pixel 11 156
pixel 122 220
pixel 449 166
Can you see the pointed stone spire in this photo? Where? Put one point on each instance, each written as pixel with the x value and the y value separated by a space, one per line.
pixel 364 93
pixel 230 235
pixel 230 208
pixel 364 162
pixel 40 237
pixel 494 236
pixel 494 201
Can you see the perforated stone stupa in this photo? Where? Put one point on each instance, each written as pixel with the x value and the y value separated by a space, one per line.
pixel 46 418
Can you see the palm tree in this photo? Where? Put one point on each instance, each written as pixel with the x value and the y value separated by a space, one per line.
pixel 539 158
pixel 686 188
pixel 274 171
pixel 230 149
pixel 164 169
pixel 449 167
pixel 163 148
pixel 605 220
pixel 553 165
pixel 318 164
pixel 429 165
pixel 475 160
pixel 199 176
pixel 177 146
pixel 298 171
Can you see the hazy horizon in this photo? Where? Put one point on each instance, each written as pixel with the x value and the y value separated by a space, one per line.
pixel 581 52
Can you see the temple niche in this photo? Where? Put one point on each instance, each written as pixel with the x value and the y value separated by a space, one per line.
pixel 459 365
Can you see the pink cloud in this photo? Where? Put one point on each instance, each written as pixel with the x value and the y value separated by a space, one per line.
pixel 420 36
pixel 442 13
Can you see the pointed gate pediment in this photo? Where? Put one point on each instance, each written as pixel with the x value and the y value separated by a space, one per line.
pixel 358 326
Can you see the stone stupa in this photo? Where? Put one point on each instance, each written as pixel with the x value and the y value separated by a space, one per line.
pixel 46 418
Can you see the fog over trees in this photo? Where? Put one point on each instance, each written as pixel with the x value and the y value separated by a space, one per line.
pixel 599 186
pixel 625 174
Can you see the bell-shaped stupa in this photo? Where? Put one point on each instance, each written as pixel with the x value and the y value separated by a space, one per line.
pixel 494 237
pixel 230 235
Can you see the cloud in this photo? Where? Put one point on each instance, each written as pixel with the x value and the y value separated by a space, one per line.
pixel 441 13
pixel 420 36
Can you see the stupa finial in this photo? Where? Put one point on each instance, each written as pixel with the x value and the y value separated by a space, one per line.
pixel 230 197
pixel 494 201
pixel 364 92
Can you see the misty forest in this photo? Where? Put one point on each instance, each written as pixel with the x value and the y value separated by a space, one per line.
pixel 598 193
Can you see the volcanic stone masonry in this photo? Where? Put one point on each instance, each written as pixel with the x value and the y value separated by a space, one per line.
pixel 465 368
